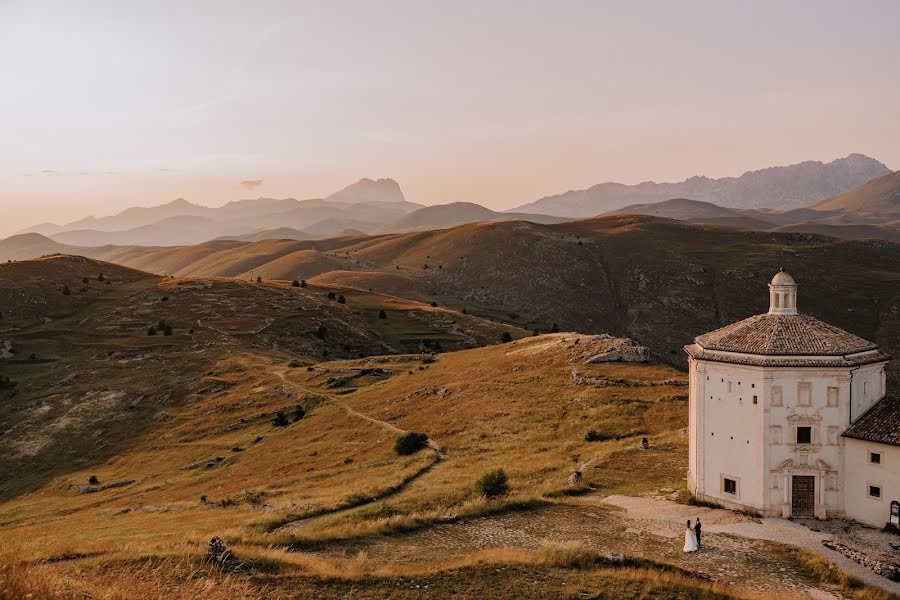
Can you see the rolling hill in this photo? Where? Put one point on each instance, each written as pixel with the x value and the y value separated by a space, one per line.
pixel 774 187
pixel 442 216
pixel 880 196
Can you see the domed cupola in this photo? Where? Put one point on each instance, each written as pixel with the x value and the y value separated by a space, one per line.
pixel 782 294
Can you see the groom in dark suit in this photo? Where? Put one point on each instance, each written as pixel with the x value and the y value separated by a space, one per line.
pixel 697 532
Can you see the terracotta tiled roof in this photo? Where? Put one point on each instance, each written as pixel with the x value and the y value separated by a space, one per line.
pixel 784 335
pixel 881 423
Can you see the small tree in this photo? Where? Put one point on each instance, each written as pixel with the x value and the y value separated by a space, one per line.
pixel 299 413
pixel 151 331
pixel 295 283
pixel 341 299
pixel 506 337
pixel 493 484
pixel 331 295
pixel 161 325
pixel 433 304
pixel 555 328
pixel 321 332
pixel 382 314
pixel 410 443
pixel 167 330
pixel 259 280
pixel 280 420
pixel 303 283
pixel 65 290
pixel 85 280
pixel 100 277
pixel 92 480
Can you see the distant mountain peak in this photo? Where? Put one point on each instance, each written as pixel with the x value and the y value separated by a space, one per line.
pixel 369 190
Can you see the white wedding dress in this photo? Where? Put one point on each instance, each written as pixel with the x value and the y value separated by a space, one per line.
pixel 690 541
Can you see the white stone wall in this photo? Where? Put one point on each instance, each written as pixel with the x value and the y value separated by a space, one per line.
pixel 726 432
pixel 755 444
pixel 868 388
pixel 861 473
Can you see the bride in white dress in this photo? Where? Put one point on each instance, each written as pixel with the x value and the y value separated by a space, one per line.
pixel 690 538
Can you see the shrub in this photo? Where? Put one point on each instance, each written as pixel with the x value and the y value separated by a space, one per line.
pixel 428 358
pixel 433 304
pixel 151 331
pixel 341 299
pixel 554 328
pixel 595 436
pixel 302 283
pixel 32 356
pixel 259 280
pixel 161 325
pixel 93 480
pixel 505 338
pixel 410 443
pixel 299 413
pixel 203 499
pixel 331 295
pixel 100 277
pixel 382 314
pixel 295 283
pixel 280 420
pixel 167 330
pixel 465 311
pixel 321 332
pixel 6 383
pixel 294 364
pixel 493 484
pixel 65 289
pixel 85 280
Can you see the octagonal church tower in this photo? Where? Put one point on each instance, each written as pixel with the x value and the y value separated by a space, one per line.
pixel 770 397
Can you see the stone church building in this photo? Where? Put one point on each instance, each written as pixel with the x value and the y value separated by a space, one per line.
pixel 789 417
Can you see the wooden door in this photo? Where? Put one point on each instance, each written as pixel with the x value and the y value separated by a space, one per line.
pixel 803 496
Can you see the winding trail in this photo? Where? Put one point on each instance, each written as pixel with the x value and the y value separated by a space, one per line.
pixel 439 455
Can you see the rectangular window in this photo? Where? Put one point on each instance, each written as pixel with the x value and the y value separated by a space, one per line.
pixel 832 435
pixel 804 435
pixel 874 491
pixel 776 396
pixel 730 386
pixel 729 486
pixel 804 394
pixel 875 458
pixel 755 400
pixel 832 396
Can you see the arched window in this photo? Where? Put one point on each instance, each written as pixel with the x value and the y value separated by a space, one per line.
pixel 777 300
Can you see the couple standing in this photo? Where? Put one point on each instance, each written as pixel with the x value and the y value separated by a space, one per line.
pixel 692 537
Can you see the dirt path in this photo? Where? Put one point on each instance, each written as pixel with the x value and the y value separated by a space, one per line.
pixel 402 486
pixel 745 563
pixel 658 515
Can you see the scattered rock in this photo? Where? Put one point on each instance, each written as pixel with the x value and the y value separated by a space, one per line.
pixel 882 568
pixel 217 552
pixel 626 350
pixel 615 557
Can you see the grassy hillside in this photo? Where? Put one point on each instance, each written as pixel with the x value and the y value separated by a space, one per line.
pixel 660 281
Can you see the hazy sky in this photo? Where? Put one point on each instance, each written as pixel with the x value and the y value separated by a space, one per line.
pixel 105 105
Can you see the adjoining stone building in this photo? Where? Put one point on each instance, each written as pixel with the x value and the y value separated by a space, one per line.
pixel 788 417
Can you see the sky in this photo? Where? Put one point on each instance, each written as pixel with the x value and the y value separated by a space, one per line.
pixel 118 103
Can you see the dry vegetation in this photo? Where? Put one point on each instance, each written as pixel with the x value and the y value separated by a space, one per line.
pixel 187 429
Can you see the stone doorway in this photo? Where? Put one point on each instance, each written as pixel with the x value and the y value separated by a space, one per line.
pixel 803 496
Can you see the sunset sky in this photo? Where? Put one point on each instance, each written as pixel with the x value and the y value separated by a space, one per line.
pixel 111 104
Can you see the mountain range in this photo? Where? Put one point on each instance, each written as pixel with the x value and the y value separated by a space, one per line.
pixel 775 187
pixel 778 196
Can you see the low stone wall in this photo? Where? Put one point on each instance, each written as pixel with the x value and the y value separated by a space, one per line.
pixel 884 569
